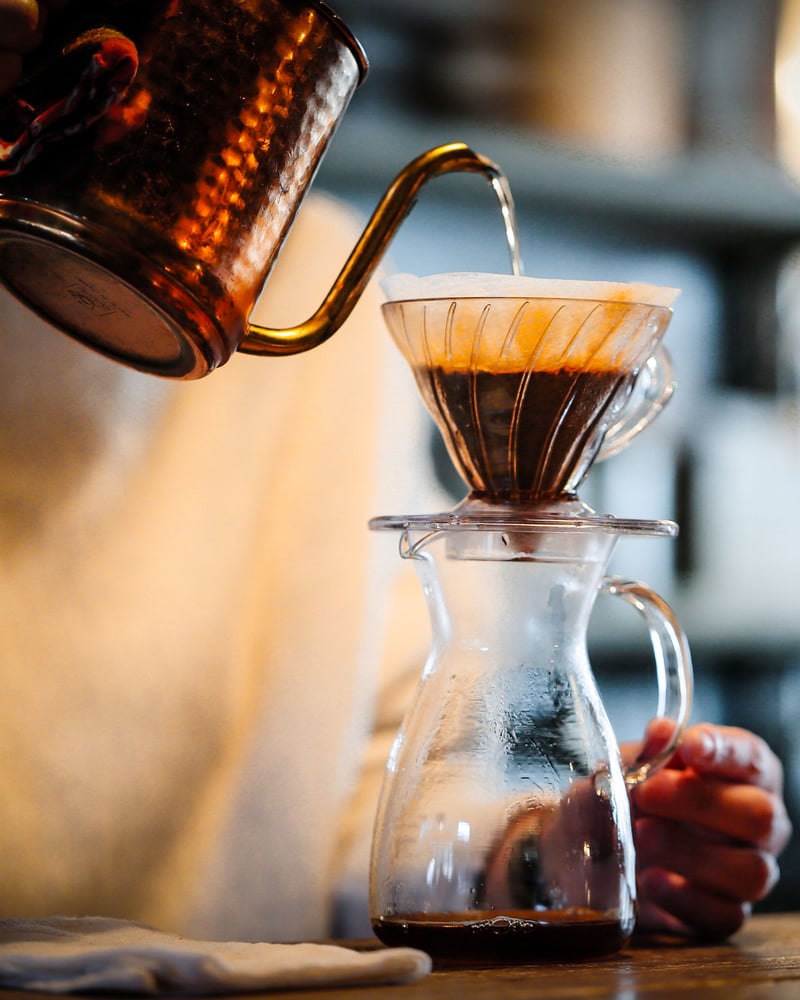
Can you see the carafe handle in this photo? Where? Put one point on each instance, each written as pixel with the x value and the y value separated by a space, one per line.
pixel 673 667
pixel 651 392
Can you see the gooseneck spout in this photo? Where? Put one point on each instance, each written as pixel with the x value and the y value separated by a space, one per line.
pixel 392 209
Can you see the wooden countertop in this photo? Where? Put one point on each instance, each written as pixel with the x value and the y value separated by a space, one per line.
pixel 762 962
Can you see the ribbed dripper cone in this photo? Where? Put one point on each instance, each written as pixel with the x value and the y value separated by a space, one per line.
pixel 525 387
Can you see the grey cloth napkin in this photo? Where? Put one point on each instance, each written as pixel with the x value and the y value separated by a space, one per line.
pixel 84 954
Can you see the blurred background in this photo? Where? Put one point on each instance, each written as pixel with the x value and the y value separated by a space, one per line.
pixel 651 140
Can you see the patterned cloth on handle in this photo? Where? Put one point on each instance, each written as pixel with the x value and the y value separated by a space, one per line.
pixel 92 76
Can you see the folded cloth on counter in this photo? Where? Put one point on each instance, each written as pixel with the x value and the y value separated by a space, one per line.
pixel 78 88
pixel 82 954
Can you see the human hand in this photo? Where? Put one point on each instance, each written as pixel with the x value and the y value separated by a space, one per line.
pixel 22 25
pixel 709 827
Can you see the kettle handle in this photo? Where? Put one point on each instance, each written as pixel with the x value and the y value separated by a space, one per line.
pixel 673 667
pixel 66 90
pixel 651 392
pixel 392 209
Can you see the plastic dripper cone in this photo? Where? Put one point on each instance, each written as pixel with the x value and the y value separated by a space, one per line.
pixel 524 377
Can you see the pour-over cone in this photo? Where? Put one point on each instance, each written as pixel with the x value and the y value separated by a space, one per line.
pixel 525 377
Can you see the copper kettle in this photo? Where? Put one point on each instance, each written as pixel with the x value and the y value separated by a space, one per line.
pixel 145 202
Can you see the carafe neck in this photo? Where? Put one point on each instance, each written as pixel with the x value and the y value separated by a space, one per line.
pixel 500 590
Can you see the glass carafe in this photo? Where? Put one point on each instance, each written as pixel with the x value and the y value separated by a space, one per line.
pixel 504 830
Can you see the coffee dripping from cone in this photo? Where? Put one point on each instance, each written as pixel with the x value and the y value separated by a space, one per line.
pixel 503 833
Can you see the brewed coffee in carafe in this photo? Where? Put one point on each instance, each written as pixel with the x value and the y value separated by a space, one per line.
pixel 503 833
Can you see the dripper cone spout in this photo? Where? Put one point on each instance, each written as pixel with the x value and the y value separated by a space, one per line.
pixel 527 378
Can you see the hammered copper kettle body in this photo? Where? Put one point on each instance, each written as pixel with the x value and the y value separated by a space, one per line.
pixel 148 225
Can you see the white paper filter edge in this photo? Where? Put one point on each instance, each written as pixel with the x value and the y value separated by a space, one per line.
pixel 468 284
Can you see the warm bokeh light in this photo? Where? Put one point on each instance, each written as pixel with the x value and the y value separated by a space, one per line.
pixel 787 87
